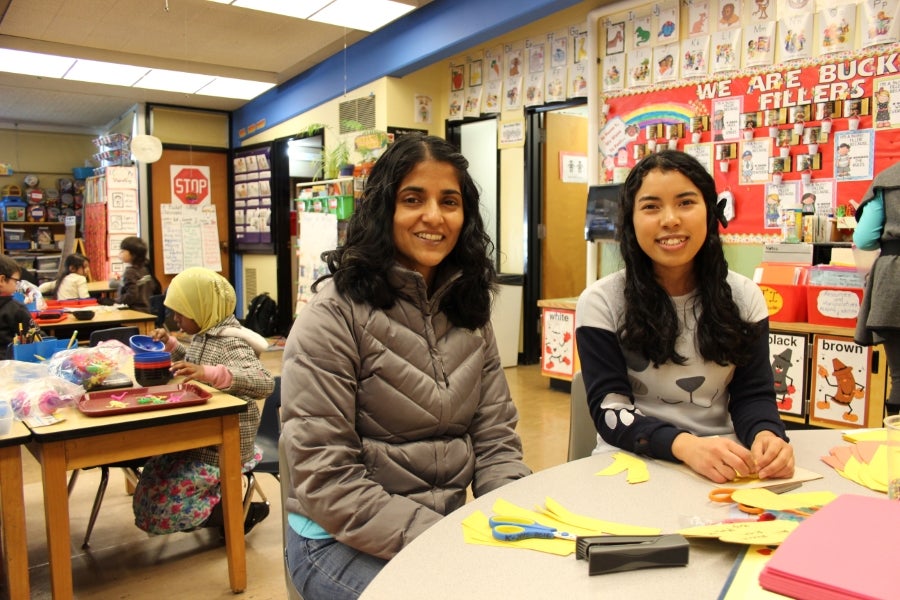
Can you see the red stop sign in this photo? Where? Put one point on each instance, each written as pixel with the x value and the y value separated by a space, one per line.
pixel 191 186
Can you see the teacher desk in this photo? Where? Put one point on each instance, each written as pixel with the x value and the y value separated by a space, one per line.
pixel 79 441
pixel 12 504
pixel 439 564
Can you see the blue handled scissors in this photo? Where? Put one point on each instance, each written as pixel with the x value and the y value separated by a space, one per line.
pixel 510 529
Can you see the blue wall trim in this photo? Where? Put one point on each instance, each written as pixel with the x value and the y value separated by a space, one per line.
pixel 436 31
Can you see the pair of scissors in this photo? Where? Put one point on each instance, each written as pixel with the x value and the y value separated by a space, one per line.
pixel 510 529
pixel 723 494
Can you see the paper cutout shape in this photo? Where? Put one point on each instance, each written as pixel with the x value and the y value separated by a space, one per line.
pixel 769 533
pixel 637 469
pixel 767 500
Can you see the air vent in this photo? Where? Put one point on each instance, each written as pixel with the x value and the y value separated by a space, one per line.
pixel 249 283
pixel 361 110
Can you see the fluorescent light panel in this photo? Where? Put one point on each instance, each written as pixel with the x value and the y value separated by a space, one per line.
pixel 31 63
pixel 298 9
pixel 365 15
pixel 106 73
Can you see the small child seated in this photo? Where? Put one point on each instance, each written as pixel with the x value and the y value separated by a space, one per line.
pixel 72 283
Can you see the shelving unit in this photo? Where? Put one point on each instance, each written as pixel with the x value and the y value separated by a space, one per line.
pixel 36 255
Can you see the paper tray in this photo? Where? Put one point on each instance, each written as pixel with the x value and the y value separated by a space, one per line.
pixel 97 404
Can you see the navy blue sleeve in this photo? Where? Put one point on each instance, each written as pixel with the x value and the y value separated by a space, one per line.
pixel 605 376
pixel 752 390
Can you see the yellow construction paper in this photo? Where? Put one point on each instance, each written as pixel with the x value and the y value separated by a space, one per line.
pixel 508 509
pixel 769 533
pixel 637 469
pixel 765 499
pixel 871 435
pixel 596 525
pixel 744 585
pixel 878 467
pixel 477 530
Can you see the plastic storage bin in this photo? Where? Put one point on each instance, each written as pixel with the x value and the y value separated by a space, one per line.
pixel 12 208
pixel 838 306
pixel 48 263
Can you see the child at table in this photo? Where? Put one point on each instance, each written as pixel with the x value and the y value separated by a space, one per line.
pixel 180 491
pixel 137 284
pixel 14 317
pixel 72 283
pixel 674 348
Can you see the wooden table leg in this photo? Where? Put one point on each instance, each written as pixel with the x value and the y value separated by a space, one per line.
pixel 56 511
pixel 230 472
pixel 15 546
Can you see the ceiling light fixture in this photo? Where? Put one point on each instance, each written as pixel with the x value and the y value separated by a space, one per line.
pixel 107 73
pixel 364 15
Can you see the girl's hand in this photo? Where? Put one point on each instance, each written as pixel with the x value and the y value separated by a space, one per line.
pixel 160 335
pixel 189 371
pixel 716 458
pixel 773 456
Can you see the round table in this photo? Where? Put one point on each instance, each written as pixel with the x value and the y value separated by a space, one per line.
pixel 439 564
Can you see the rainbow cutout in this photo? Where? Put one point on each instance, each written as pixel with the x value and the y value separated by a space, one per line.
pixel 666 113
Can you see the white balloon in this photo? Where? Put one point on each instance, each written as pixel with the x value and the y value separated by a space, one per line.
pixel 146 148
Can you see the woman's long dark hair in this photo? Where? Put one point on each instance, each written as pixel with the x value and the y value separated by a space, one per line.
pixel 360 267
pixel 651 327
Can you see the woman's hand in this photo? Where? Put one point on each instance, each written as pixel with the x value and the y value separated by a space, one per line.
pixel 160 335
pixel 773 456
pixel 718 459
pixel 189 371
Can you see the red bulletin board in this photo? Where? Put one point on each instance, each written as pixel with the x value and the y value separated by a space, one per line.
pixel 637 120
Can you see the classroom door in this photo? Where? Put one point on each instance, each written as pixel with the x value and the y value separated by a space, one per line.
pixel 160 193
pixel 563 251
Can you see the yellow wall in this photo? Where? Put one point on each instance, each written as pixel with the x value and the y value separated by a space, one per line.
pixel 190 127
pixel 48 155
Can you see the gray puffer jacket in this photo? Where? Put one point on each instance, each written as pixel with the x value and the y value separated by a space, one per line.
pixel 390 415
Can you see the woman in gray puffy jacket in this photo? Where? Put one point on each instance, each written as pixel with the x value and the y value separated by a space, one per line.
pixel 394 401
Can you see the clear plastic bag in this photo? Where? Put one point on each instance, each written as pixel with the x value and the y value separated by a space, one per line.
pixel 88 367
pixel 34 390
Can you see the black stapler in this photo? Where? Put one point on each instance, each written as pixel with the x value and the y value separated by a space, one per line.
pixel 614 553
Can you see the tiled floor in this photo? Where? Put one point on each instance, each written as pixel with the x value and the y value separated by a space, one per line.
pixel 124 563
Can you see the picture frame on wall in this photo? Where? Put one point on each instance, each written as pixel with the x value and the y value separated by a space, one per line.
pixel 615 38
pixel 839 382
pixel 788 352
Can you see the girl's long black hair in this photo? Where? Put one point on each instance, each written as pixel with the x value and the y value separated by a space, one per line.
pixel 72 263
pixel 360 267
pixel 651 326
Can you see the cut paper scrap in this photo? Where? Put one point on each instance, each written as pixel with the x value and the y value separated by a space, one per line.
pixel 864 463
pixel 750 532
pixel 477 530
pixel 637 469
pixel 767 500
pixel 866 435
pixel 507 508
pixel 800 475
pixel 581 522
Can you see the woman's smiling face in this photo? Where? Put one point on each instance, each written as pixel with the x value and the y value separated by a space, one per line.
pixel 670 224
pixel 428 216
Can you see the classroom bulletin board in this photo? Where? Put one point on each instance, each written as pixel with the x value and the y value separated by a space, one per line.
pixel 790 105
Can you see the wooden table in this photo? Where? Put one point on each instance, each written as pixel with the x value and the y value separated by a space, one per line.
pixel 99 288
pixel 79 441
pixel 12 504
pixel 440 565
pixel 104 318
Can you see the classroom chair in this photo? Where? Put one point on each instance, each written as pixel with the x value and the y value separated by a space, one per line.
pixel 130 468
pixel 266 444
pixel 582 433
pixel 285 478
pixel 123 334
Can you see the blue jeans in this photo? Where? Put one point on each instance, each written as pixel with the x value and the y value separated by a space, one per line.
pixel 327 569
